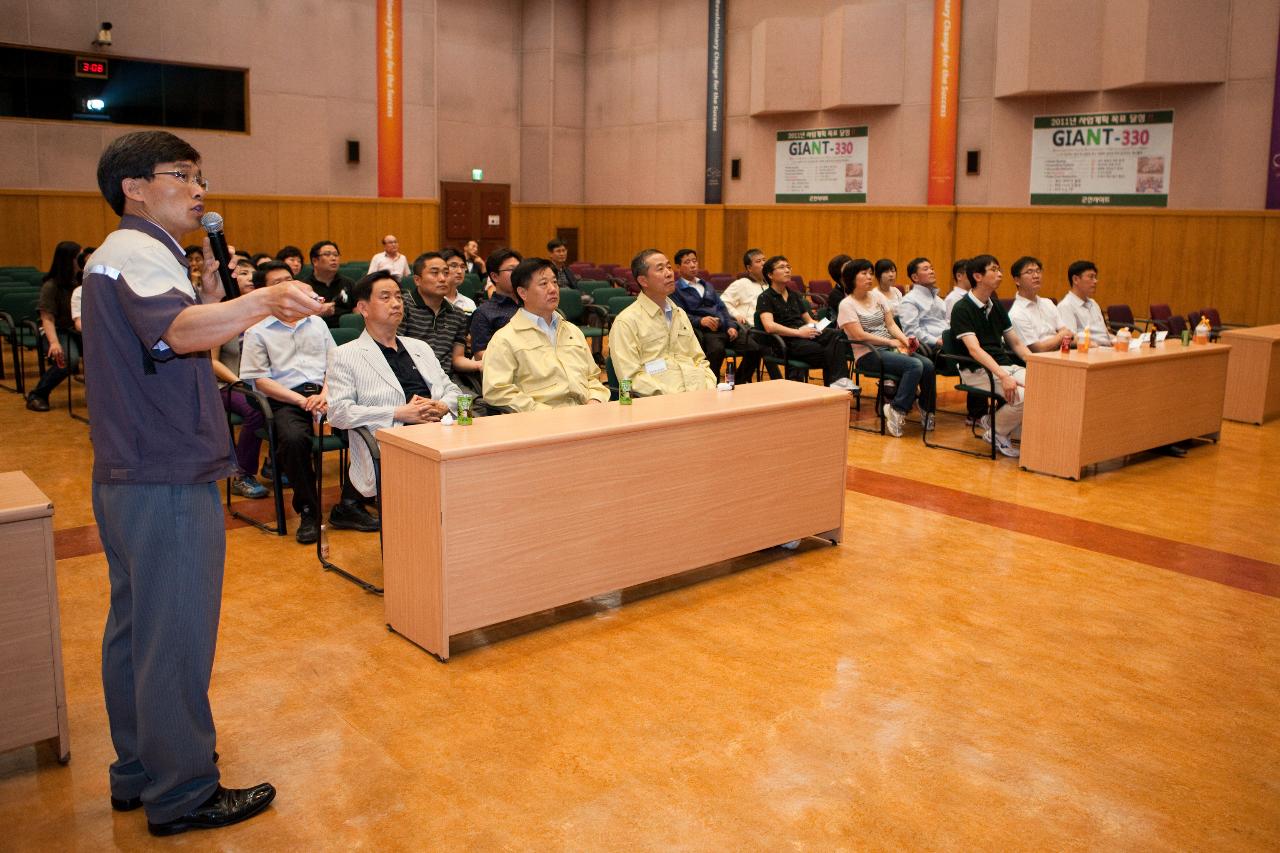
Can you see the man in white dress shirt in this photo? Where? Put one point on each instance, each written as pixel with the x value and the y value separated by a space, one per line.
pixel 959 285
pixel 383 380
pixel 1036 320
pixel 1078 309
pixel 390 258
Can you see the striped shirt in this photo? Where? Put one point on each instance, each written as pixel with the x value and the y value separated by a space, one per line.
pixel 441 331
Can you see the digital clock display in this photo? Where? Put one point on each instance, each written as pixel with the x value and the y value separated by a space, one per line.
pixel 91 67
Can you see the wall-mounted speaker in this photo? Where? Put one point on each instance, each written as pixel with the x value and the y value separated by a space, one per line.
pixel 735 168
pixel 972 162
pixel 353 151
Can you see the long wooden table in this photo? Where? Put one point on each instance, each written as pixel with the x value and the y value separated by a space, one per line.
pixel 1083 409
pixel 520 513
pixel 1253 374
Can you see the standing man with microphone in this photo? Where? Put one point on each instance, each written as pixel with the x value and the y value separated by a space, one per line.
pixel 160 446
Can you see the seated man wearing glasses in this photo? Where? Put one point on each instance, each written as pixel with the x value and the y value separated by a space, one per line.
pixel 496 311
pixel 326 280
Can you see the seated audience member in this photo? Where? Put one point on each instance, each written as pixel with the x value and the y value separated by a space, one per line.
pixel 867 320
pixel 77 295
pixel 959 285
pixel 559 254
pixel 57 327
pixel 287 362
pixel 922 314
pixel 1078 309
pixel 1036 320
pixel 430 317
pixel 982 327
pixel 540 360
pixel 455 272
pixel 974 403
pixel 291 256
pixel 739 300
pixel 886 279
pixel 242 271
pixel 390 258
pixel 652 342
pixel 475 264
pixel 834 266
pixel 382 380
pixel 714 328
pixel 786 314
pixel 260 259
pixel 328 282
pixel 496 311
pixel 226 369
pixel 195 264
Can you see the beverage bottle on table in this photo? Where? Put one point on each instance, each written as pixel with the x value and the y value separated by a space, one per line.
pixel 1066 346
pixel 1202 331
pixel 624 392
pixel 728 373
pixel 1122 339
pixel 1082 342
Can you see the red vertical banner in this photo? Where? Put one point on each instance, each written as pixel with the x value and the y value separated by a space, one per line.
pixel 945 100
pixel 390 101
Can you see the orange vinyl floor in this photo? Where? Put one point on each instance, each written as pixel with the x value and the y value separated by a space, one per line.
pixel 992 660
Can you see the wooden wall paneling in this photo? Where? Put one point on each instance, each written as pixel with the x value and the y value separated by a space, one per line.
pixel 532 225
pixel 1193 280
pixel 1167 237
pixel 1063 238
pixel 302 223
pixel 404 220
pixel 879 238
pixel 250 224
pixel 1011 236
pixel 972 230
pixel 922 234
pixel 735 238
pixel 20 240
pixel 353 226
pixel 711 243
pixel 1122 247
pixel 429 226
pixel 1231 285
pixel 1267 309
pixel 84 218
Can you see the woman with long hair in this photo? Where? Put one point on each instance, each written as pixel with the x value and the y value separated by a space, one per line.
pixel 57 329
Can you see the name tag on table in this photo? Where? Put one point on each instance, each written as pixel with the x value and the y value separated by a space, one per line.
pixel 658 365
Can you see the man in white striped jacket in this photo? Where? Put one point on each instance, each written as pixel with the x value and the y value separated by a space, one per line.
pixel 382 380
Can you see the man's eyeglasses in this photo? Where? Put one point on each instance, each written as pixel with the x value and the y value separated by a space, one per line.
pixel 186 178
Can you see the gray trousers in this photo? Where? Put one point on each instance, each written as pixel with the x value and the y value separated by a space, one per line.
pixel 165 547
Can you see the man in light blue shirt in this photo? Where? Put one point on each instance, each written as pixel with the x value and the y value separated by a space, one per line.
pixel 923 314
pixel 287 363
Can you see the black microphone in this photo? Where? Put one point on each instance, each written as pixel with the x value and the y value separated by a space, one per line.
pixel 212 223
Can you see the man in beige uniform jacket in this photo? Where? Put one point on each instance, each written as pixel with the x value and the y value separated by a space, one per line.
pixel 652 341
pixel 539 360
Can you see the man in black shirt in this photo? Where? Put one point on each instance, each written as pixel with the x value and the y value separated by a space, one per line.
pixel 328 282
pixel 496 311
pixel 979 322
pixel 382 380
pixel 786 314
pixel 430 317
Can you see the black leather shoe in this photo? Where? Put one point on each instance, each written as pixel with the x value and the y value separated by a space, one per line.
pixel 308 530
pixel 225 807
pixel 1175 450
pixel 352 516
pixel 37 404
pixel 136 802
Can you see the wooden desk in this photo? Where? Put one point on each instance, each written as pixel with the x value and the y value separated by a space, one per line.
pixel 33 698
pixel 1083 409
pixel 519 513
pixel 1253 374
